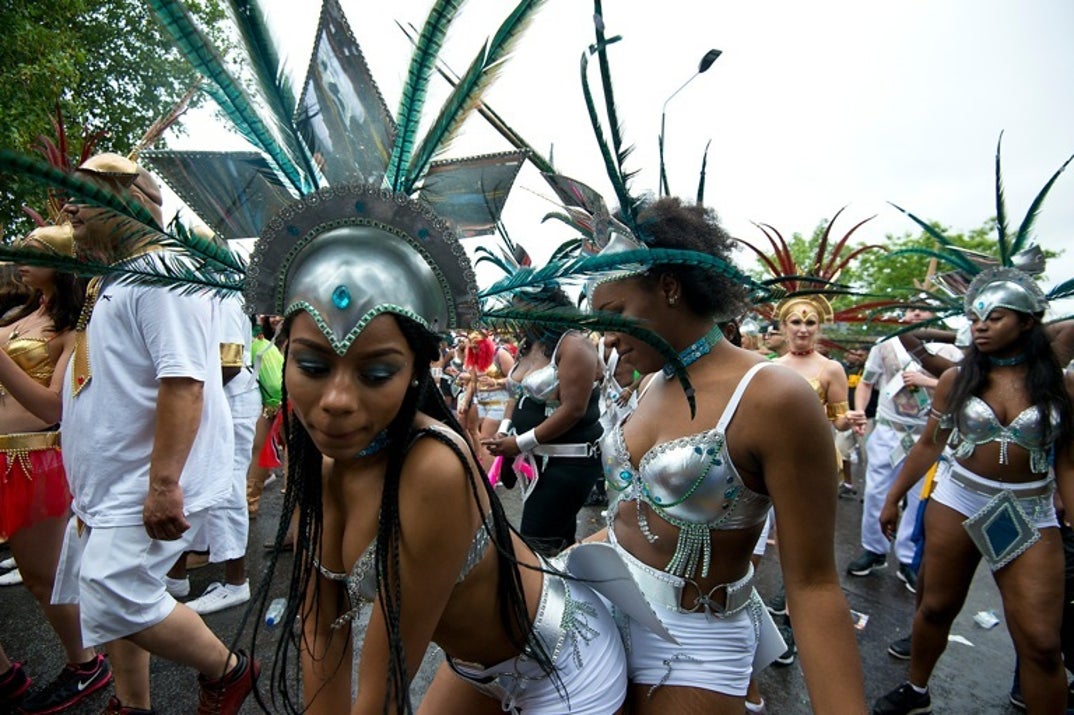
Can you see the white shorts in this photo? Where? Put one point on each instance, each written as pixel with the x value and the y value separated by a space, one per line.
pixel 590 664
pixel 713 653
pixel 228 526
pixel 491 404
pixel 1039 509
pixel 116 577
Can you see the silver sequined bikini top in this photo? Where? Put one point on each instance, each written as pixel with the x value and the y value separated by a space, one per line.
pixel 976 424
pixel 690 482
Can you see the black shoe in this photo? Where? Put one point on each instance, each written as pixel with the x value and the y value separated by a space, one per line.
pixel 900 649
pixel 786 657
pixel 778 605
pixel 846 491
pixel 903 700
pixel 13 686
pixel 74 684
pixel 1016 694
pixel 908 576
pixel 866 563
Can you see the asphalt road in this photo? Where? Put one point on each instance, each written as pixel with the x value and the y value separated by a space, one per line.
pixel 973 676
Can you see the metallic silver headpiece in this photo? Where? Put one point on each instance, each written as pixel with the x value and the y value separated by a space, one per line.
pixel 1003 288
pixel 348 254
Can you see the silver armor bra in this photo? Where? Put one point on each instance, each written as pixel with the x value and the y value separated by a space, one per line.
pixel 976 424
pixel 541 384
pixel 689 482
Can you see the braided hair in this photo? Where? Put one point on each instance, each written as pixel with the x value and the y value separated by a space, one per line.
pixel 304 494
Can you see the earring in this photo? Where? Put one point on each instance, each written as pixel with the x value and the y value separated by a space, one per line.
pixel 414 382
pixel 673 299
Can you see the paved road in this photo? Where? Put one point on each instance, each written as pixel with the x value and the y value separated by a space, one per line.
pixel 972 677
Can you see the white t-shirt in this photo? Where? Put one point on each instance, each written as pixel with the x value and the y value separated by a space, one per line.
pixel 235 329
pixel 139 334
pixel 883 369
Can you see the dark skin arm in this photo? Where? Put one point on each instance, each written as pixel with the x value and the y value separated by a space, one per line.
pixel 914 342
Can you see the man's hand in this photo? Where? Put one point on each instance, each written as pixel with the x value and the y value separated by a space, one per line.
pixel 162 513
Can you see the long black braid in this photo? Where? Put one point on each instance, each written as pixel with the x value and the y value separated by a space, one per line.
pixel 304 494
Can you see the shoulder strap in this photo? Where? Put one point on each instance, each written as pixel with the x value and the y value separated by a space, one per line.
pixel 736 396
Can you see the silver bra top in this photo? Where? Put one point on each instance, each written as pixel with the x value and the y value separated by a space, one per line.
pixel 361 582
pixel 541 384
pixel 690 482
pixel 976 424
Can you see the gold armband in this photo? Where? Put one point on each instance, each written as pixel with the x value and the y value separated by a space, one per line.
pixel 837 409
pixel 230 355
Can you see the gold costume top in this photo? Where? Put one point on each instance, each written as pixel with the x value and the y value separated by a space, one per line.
pixel 818 388
pixel 31 354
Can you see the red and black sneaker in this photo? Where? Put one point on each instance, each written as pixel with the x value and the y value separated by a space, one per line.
pixel 13 686
pixel 224 695
pixel 74 684
pixel 117 708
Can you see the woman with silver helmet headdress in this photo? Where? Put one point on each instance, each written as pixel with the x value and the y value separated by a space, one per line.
pixel 1006 413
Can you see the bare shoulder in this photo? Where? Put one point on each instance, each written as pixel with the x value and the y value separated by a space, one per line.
pixel 432 463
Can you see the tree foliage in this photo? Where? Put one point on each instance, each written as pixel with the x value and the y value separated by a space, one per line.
pixel 104 62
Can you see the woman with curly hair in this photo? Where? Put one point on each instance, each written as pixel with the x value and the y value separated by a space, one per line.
pixel 1005 410
pixel 691 491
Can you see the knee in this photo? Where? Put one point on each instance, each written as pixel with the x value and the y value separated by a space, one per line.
pixel 39 586
pixel 1040 648
pixel 937 613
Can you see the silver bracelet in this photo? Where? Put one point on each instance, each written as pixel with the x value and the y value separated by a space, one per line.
pixel 505 427
pixel 527 440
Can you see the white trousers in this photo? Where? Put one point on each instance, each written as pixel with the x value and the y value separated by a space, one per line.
pixel 879 476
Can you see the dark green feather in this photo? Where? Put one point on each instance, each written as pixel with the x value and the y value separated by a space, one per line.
pixel 412 100
pixel 1031 216
pixel 1001 209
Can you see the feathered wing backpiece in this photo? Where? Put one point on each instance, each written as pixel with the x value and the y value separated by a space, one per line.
pixel 1018 253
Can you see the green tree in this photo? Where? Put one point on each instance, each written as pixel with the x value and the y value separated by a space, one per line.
pixel 104 62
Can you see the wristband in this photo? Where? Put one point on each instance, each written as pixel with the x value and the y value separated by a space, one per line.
pixel 505 427
pixel 527 441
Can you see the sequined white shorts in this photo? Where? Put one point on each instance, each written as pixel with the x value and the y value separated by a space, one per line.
pixel 1040 508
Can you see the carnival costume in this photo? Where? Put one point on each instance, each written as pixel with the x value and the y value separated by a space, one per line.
pixel 33 484
pixel 1003 518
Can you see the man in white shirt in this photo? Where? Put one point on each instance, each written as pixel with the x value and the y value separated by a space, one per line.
pixel 146 430
pixel 902 410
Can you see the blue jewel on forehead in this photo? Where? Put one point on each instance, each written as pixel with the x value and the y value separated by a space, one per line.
pixel 341 297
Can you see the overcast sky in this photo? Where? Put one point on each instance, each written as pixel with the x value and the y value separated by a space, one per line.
pixel 812 106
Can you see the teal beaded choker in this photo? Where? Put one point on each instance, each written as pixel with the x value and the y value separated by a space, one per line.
pixel 696 351
pixel 1007 362
pixel 378 444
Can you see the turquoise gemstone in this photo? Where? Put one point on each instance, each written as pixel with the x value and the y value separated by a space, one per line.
pixel 341 297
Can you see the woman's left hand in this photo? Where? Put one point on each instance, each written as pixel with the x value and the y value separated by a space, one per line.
pixel 504 446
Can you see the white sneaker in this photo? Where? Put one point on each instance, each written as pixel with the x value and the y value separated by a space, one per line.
pixel 177 587
pixel 8 563
pixel 219 596
pixel 11 578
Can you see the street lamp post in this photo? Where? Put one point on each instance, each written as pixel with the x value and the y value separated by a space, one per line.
pixel 706 62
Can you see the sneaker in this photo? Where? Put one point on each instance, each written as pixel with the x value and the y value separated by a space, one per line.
pixel 219 596
pixel 900 649
pixel 11 578
pixel 13 685
pixel 74 684
pixel 177 587
pixel 224 695
pixel 908 576
pixel 787 656
pixel 846 491
pixel 117 708
pixel 1015 695
pixel 903 700
pixel 778 605
pixel 867 563
pixel 8 563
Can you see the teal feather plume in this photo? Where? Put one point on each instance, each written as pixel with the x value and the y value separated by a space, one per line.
pixel 467 92
pixel 273 82
pixel 615 128
pixel 1034 209
pixel 177 21
pixel 951 258
pixel 701 178
pixel 517 319
pixel 1001 210
pixel 628 204
pixel 412 100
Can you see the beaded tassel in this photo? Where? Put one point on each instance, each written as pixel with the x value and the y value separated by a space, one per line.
pixel 693 547
pixel 576 615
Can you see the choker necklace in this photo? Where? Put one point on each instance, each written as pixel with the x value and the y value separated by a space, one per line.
pixel 698 350
pixel 1007 362
pixel 378 444
pixel 803 353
